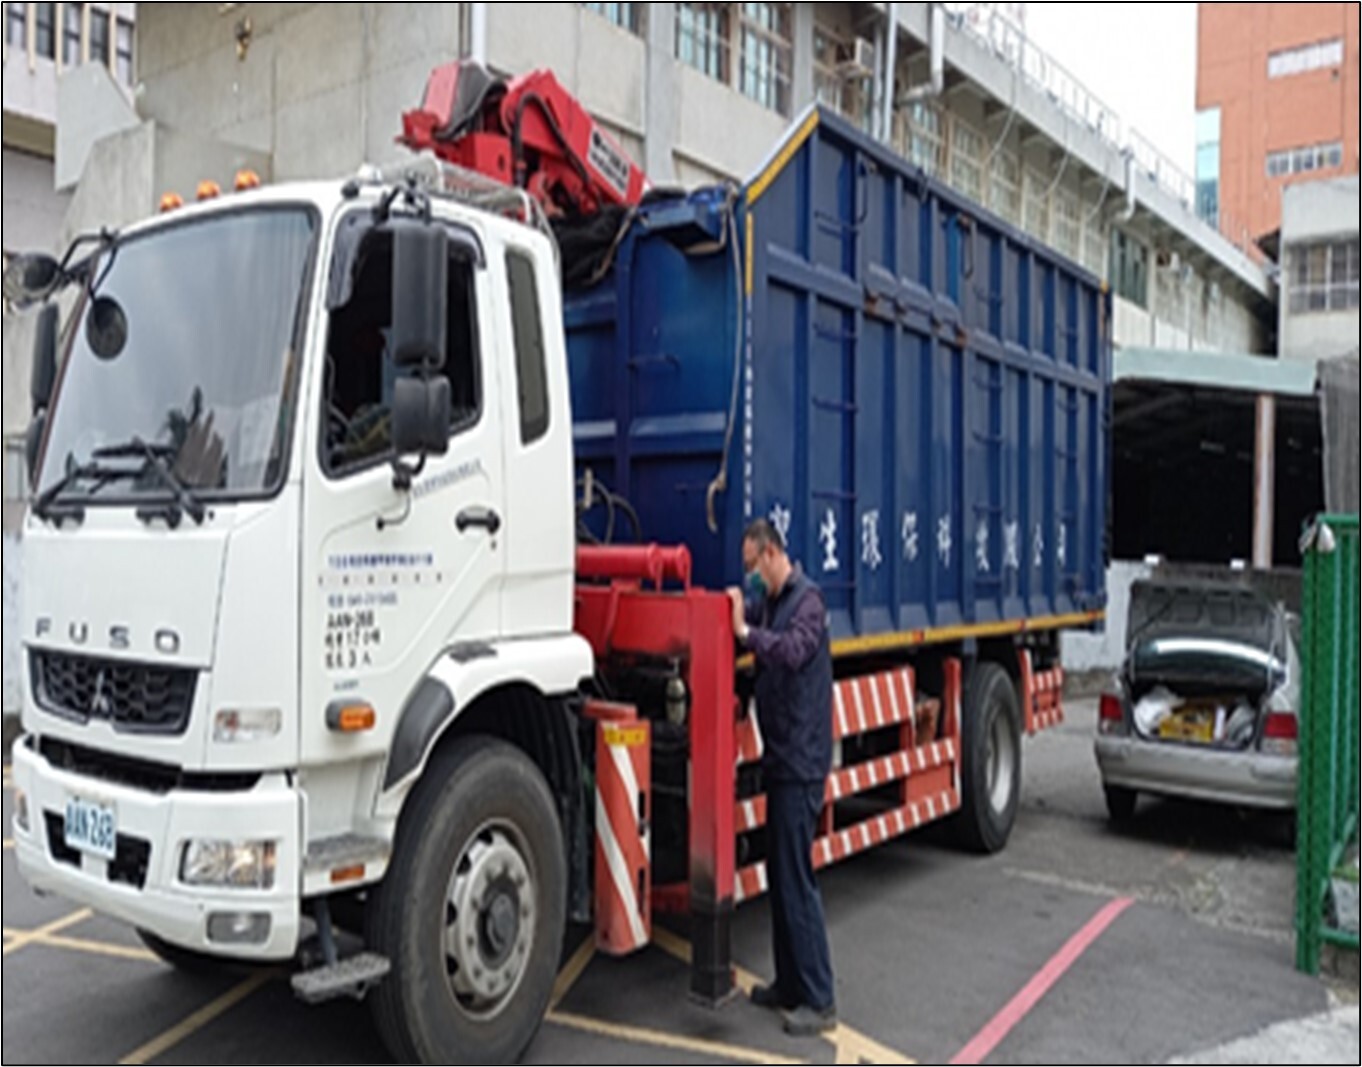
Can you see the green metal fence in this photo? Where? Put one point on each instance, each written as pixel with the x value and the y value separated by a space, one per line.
pixel 1329 719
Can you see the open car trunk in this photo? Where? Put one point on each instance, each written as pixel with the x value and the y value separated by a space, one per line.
pixel 1202 661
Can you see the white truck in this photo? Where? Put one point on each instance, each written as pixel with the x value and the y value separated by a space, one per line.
pixel 224 636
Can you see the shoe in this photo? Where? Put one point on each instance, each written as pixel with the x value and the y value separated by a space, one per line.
pixel 805 1021
pixel 768 996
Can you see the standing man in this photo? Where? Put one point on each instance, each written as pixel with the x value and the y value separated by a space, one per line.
pixel 784 624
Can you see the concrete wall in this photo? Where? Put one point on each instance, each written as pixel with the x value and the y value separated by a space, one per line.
pixel 320 88
pixel 1081 651
pixel 33 210
pixel 90 105
pixel 30 93
pixel 1313 212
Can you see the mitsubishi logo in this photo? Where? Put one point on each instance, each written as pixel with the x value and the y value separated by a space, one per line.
pixel 100 702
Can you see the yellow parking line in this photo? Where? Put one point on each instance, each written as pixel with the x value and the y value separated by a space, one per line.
pixel 679 947
pixel 19 938
pixel 661 1039
pixel 572 970
pixel 198 1020
pixel 97 948
pixel 852 1046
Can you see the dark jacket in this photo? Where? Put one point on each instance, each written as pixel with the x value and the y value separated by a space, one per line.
pixel 788 636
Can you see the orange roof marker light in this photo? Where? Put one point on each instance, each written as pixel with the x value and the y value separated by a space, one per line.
pixel 246 179
pixel 208 189
pixel 170 201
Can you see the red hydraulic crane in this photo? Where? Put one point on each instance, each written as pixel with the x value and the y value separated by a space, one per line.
pixel 529 132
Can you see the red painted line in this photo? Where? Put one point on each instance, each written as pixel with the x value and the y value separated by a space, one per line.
pixel 1016 1009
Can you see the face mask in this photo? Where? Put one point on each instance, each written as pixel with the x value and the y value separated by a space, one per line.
pixel 756 585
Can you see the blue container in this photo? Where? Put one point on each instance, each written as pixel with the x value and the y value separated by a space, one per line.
pixel 914 391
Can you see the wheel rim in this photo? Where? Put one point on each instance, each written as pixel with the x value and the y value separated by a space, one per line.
pixel 489 920
pixel 1001 762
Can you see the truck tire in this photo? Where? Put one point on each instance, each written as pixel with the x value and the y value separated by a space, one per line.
pixel 471 910
pixel 990 771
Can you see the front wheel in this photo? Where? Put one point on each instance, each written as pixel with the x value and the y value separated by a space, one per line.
pixel 990 772
pixel 471 910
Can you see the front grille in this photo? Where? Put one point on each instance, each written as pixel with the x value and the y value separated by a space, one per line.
pixel 135 697
pixel 147 775
pixel 131 854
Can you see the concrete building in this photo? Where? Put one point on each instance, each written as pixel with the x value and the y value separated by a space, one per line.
pixel 697 93
pixel 1277 104
pixel 1319 241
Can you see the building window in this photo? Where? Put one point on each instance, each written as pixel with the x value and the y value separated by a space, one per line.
pixel 1305 58
pixel 45 31
pixel 71 17
pixel 1324 276
pixel 841 80
pixel 123 43
pixel 1129 268
pixel 766 55
pixel 702 38
pixel 1303 160
pixel 1208 165
pixel 624 15
pixel 99 36
pixel 16 26
pixel 919 136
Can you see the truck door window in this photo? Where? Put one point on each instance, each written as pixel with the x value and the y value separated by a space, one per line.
pixel 358 387
pixel 529 348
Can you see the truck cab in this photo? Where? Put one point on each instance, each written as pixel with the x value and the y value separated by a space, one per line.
pixel 303 496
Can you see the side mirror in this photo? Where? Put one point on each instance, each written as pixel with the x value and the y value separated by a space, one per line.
pixel 420 292
pixel 420 416
pixel 33 441
pixel 31 277
pixel 44 370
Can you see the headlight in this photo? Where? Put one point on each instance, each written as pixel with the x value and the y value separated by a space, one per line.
pixel 20 810
pixel 231 864
pixel 246 724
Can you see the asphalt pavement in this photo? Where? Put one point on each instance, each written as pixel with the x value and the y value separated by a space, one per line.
pixel 1168 940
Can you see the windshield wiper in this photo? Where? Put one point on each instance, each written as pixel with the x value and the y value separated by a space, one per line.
pixel 44 505
pixel 155 455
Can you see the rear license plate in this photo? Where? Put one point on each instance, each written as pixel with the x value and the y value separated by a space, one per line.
pixel 1195 726
pixel 91 827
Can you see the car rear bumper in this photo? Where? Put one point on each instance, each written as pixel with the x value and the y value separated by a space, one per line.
pixel 152 896
pixel 1251 779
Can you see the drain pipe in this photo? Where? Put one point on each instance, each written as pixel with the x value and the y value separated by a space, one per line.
pixel 936 34
pixel 1128 212
pixel 477 32
pixel 887 81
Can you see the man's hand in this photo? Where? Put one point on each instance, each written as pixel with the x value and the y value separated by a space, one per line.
pixel 735 599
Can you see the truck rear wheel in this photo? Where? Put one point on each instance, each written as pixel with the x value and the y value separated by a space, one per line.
pixel 471 910
pixel 990 773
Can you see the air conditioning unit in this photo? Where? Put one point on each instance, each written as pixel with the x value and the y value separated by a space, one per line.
pixel 861 62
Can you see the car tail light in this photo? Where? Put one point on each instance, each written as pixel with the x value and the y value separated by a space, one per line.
pixel 1280 733
pixel 1111 714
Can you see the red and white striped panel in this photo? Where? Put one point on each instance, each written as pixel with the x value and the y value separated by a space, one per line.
pixel 873 773
pixel 751 813
pixel 751 880
pixel 872 702
pixel 748 740
pixel 623 864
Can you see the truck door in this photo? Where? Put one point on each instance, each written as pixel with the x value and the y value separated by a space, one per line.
pixel 394 577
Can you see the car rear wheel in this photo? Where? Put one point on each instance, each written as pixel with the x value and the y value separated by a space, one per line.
pixel 1120 803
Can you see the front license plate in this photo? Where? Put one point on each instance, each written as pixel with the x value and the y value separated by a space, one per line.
pixel 91 827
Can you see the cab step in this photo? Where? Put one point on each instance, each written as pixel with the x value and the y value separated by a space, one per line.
pixel 353 977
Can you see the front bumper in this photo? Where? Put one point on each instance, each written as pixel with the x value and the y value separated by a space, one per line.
pixel 156 827
pixel 1250 779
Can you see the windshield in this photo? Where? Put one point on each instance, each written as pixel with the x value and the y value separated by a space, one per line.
pixel 207 373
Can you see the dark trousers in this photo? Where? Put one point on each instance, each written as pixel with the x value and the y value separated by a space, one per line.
pixel 803 965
